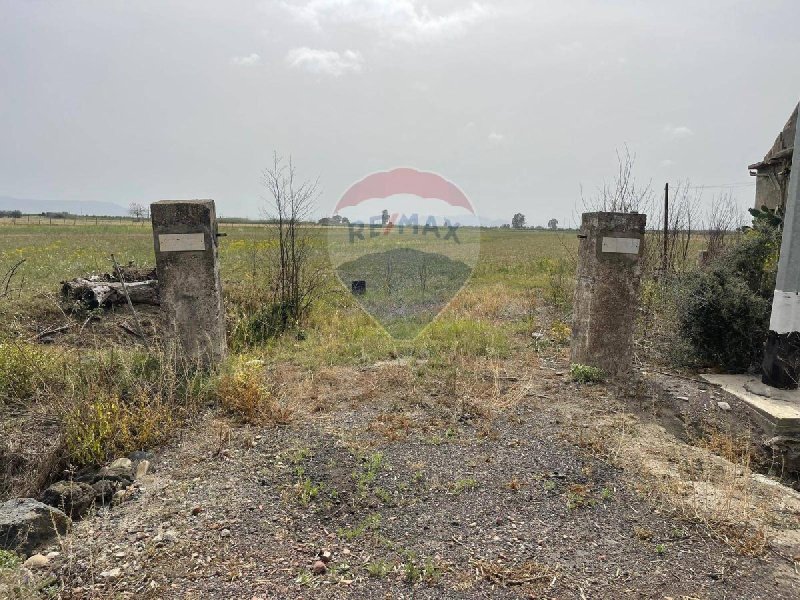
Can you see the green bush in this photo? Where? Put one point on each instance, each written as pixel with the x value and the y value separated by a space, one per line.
pixel 723 312
pixel 586 374
pixel 256 327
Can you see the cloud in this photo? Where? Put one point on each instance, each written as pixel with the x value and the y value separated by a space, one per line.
pixel 325 62
pixel 246 61
pixel 678 133
pixel 404 20
pixel 667 163
pixel 496 138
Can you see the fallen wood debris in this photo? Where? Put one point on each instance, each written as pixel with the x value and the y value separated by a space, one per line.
pixel 104 291
pixel 104 294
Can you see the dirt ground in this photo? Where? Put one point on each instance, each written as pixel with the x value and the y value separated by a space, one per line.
pixel 499 481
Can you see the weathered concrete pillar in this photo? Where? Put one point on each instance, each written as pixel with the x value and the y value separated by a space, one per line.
pixel 185 236
pixel 607 290
pixel 781 366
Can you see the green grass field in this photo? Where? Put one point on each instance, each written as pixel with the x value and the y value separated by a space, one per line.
pixel 511 266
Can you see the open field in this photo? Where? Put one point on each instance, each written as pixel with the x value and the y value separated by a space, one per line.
pixel 514 266
pixel 465 462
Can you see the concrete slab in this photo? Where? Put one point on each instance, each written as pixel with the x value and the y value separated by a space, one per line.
pixel 780 409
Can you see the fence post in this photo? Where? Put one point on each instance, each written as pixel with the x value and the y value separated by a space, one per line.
pixel 607 290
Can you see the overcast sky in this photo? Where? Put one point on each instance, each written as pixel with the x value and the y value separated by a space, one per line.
pixel 519 102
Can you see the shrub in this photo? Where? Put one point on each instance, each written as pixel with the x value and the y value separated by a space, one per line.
pixel 560 332
pixel 254 327
pixel 724 322
pixel 586 374
pixel 23 367
pixel 723 312
pixel 105 425
pixel 120 401
pixel 242 393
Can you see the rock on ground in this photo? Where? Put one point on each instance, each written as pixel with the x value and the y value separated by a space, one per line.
pixel 73 497
pixel 25 523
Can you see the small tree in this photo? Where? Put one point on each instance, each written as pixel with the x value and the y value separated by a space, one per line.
pixel 552 224
pixel 137 211
pixel 518 221
pixel 384 217
pixel 299 278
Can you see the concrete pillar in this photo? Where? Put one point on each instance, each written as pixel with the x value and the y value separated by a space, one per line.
pixel 607 290
pixel 185 237
pixel 781 365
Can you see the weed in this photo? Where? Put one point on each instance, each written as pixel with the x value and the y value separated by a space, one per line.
pixel 411 572
pixel 560 283
pixel 660 548
pixel 524 573
pixel 392 426
pixel 299 455
pixel 24 368
pixel 371 523
pixel 366 475
pixel 549 485
pixel 106 425
pixel 579 496
pixel 383 495
pixel 586 374
pixel 462 485
pixel 560 333
pixel 414 570
pixel 606 494
pixel 379 568
pixel 244 395
pixel 9 560
pixel 306 489
pixel 431 572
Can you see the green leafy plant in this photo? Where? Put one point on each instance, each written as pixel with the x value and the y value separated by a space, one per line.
pixel 586 374
pixel 366 475
pixel 724 311
pixel 370 523
pixel 462 485
pixel 9 560
pixel 23 368
pixel 379 568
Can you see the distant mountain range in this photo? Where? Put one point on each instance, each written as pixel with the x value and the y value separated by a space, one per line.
pixel 75 207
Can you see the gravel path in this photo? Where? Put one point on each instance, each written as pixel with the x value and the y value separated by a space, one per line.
pixel 415 494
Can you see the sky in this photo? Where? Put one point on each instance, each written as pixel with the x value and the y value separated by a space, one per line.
pixel 521 103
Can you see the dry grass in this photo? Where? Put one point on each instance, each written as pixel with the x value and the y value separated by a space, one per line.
pixel 710 484
pixel 529 574
pixel 245 395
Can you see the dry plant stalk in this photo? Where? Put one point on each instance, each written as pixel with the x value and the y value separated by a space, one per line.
pixel 623 194
pixel 5 282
